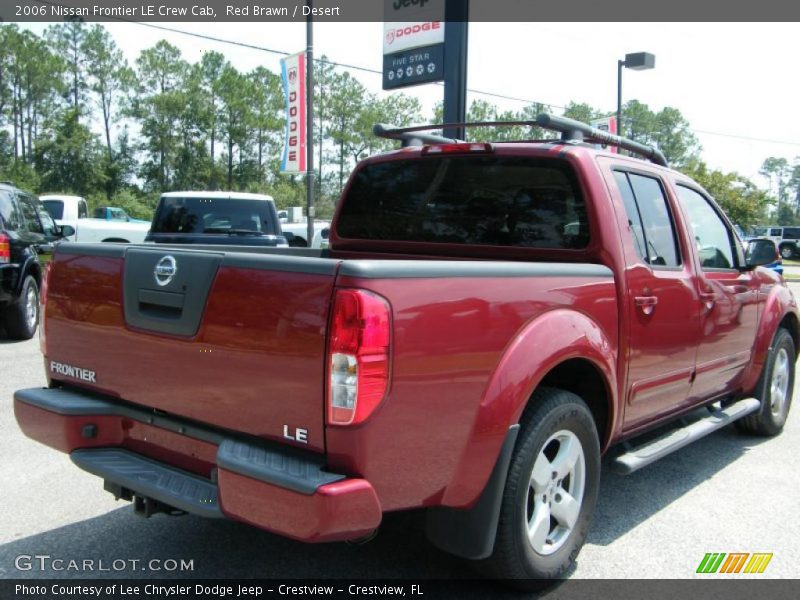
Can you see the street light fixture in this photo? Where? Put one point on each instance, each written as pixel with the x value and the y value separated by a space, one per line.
pixel 638 61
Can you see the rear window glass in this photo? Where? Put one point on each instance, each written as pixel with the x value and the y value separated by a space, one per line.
pixel 483 200
pixel 55 208
pixel 214 215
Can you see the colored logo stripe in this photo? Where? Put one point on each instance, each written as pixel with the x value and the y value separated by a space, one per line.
pixel 734 562
pixel 713 562
pixel 758 563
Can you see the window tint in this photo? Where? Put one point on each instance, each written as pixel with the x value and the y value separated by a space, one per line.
pixel 214 215
pixel 30 214
pixel 8 212
pixel 48 224
pixel 83 210
pixel 480 200
pixel 55 208
pixel 712 236
pixel 654 235
pixel 791 233
pixel 634 218
pixel 777 231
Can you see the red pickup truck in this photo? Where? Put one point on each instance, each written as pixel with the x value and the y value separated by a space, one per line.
pixel 488 320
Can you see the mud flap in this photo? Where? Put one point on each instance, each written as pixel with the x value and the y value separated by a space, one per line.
pixel 470 533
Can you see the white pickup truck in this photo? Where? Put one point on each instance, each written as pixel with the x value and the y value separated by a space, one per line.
pixel 74 211
pixel 299 229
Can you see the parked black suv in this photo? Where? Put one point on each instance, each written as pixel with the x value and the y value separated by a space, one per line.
pixel 27 233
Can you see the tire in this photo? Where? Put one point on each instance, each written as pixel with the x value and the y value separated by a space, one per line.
pixel 559 437
pixel 22 317
pixel 298 242
pixel 774 389
pixel 787 251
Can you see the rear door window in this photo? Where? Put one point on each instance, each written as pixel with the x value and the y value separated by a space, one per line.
pixel 55 208
pixel 214 215
pixel 83 210
pixel 30 214
pixel 8 211
pixel 791 233
pixel 650 219
pixel 481 200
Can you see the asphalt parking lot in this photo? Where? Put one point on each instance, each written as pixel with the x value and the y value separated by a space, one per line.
pixel 725 493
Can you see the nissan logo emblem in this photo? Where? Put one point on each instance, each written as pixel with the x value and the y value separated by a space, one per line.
pixel 165 270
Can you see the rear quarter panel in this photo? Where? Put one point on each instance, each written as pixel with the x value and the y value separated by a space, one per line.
pixel 467 353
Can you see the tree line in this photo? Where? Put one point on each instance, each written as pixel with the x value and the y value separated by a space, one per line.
pixel 77 117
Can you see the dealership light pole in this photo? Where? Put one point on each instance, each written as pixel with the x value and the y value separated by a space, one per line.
pixel 309 127
pixel 638 61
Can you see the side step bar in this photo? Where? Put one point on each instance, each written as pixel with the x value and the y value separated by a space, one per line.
pixel 637 456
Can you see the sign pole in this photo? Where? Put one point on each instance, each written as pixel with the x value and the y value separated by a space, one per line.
pixel 309 126
pixel 456 15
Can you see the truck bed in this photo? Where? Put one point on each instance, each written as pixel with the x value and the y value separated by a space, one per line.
pixel 237 341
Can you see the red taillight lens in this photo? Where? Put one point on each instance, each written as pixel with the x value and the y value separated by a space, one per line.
pixel 5 248
pixel 358 356
pixel 460 148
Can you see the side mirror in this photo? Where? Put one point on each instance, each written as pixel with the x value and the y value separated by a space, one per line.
pixel 760 252
pixel 67 231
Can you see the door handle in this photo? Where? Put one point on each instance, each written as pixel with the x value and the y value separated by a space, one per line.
pixel 709 299
pixel 646 304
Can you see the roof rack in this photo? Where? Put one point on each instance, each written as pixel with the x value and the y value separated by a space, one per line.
pixel 571 131
pixel 575 131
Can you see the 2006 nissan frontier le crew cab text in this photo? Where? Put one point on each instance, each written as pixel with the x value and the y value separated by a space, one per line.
pixel 488 320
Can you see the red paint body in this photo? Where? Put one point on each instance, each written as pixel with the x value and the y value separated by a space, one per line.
pixel 466 353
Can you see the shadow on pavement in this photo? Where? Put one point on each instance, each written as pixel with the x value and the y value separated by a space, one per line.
pixel 225 549
pixel 626 501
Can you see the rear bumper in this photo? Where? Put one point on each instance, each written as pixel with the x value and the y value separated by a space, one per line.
pixel 280 489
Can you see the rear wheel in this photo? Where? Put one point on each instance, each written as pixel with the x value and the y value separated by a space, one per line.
pixel 787 251
pixel 774 388
pixel 550 491
pixel 22 317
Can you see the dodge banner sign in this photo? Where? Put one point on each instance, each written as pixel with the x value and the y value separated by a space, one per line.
pixel 293 73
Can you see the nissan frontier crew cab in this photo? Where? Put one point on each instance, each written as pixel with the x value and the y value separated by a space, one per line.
pixel 488 320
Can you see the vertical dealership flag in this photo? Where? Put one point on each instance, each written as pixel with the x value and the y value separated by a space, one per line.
pixel 293 73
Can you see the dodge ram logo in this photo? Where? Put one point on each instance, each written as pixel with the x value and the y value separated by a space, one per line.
pixel 165 270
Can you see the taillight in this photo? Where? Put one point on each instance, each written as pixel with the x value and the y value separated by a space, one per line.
pixel 358 356
pixel 459 148
pixel 5 248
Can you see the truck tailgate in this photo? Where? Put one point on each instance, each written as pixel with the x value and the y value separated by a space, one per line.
pixel 232 339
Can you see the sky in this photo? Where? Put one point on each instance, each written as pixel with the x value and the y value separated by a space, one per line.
pixel 735 83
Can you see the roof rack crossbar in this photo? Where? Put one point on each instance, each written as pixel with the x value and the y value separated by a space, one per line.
pixel 570 129
pixel 409 136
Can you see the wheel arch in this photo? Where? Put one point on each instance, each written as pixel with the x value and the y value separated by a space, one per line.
pixel 30 267
pixel 780 310
pixel 562 346
pixel 583 378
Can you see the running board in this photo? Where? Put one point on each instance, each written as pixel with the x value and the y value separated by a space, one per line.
pixel 637 456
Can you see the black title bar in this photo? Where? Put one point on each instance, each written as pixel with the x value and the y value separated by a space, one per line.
pixel 373 10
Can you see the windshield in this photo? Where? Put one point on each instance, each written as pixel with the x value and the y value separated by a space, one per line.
pixel 485 200
pixel 215 215
pixel 55 208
